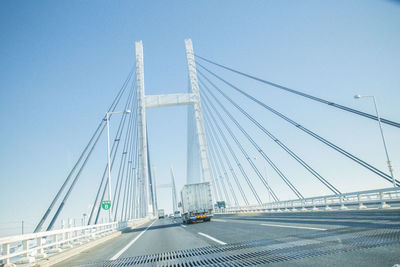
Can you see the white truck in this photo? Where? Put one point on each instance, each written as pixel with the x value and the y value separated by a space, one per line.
pixel 160 214
pixel 196 203
pixel 177 214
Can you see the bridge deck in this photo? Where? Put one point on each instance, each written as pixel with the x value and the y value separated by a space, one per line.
pixel 362 238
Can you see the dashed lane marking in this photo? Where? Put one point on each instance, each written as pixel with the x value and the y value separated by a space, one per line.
pixel 212 238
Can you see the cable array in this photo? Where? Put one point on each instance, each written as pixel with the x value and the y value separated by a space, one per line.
pixel 306 130
pixel 126 199
pixel 233 170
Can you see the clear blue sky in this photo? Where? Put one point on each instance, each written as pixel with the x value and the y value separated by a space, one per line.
pixel 63 61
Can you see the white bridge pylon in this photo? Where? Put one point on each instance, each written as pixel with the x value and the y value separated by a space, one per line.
pixel 147 101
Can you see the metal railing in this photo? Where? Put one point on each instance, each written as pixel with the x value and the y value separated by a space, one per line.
pixel 380 198
pixel 28 248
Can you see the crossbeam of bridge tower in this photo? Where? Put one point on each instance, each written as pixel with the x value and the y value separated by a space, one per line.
pixel 148 101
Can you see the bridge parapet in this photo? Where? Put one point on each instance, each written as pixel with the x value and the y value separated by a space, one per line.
pixel 29 248
pixel 378 199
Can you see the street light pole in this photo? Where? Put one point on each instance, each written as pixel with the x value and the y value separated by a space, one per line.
pixel 108 158
pixel 108 164
pixel 389 164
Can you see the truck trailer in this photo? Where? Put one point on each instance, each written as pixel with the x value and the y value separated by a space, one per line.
pixel 160 214
pixel 196 203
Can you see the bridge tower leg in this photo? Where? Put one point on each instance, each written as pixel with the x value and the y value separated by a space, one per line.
pixel 143 159
pixel 198 115
pixel 174 199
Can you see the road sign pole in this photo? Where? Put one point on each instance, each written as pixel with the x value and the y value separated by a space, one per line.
pixel 108 164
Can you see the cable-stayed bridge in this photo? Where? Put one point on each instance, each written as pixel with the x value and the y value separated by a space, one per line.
pixel 272 214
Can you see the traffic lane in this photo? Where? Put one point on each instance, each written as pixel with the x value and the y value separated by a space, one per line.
pixel 233 231
pixel 335 220
pixel 164 236
pixel 105 250
pixel 225 231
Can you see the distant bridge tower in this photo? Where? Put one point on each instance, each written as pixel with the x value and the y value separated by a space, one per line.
pixel 146 101
pixel 174 198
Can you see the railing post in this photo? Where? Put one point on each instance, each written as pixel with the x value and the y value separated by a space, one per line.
pixel 361 205
pixel 63 237
pixel 326 204
pixel 26 259
pixel 293 207
pixel 40 253
pixel 6 252
pixel 278 207
pixel 67 234
pixel 342 206
pixel 303 203
pixel 286 206
pixel 76 240
pixel 56 248
pixel 314 207
pixel 384 205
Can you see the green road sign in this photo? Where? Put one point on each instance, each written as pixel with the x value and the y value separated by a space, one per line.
pixel 106 204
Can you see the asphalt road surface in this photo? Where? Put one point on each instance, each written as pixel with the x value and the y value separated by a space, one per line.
pixel 350 238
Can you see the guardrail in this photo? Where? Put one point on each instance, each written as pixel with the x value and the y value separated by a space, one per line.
pixel 381 199
pixel 28 248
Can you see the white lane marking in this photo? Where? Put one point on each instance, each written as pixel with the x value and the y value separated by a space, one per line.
pixel 130 243
pixel 298 227
pixel 184 226
pixel 212 238
pixel 219 220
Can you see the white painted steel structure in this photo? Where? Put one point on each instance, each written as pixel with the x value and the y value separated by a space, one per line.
pixel 201 134
pixel 148 101
pixel 28 248
pixel 141 121
pixel 380 199
pixel 174 198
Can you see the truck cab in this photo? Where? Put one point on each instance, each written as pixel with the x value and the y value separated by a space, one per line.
pixel 197 216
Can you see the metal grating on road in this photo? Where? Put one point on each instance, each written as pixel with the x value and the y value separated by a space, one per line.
pixel 261 252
